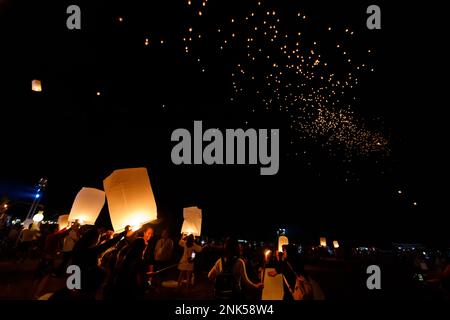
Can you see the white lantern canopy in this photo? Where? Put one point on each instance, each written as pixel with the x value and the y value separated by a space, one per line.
pixel 282 240
pixel 130 198
pixel 323 242
pixel 36 85
pixel 192 221
pixel 63 221
pixel 87 206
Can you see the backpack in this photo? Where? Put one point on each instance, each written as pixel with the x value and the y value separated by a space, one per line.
pixel 303 287
pixel 226 286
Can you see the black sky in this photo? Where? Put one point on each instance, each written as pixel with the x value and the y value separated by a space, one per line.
pixel 76 138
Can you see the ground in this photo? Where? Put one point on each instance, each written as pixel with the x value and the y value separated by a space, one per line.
pixel 338 279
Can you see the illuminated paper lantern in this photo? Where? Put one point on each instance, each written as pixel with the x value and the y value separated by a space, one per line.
pixel 38 217
pixel 36 85
pixel 63 221
pixel 87 206
pixel 192 221
pixel 273 286
pixel 282 240
pixel 130 198
pixel 335 244
pixel 323 242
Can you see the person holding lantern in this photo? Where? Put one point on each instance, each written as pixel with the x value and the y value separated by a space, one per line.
pixel 85 255
pixel 129 282
pixel 230 265
pixel 186 264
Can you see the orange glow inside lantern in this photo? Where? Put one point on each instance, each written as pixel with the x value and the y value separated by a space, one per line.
pixel 189 228
pixel 63 221
pixel 335 244
pixel 36 85
pixel 87 206
pixel 323 242
pixel 130 198
pixel 282 240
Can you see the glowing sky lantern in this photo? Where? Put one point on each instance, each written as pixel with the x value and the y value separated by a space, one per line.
pixel 282 240
pixel 38 217
pixel 130 198
pixel 335 244
pixel 36 85
pixel 87 206
pixel 63 221
pixel 323 242
pixel 192 221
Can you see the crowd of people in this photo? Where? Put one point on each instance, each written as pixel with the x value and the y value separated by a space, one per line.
pixel 126 265
pixel 129 264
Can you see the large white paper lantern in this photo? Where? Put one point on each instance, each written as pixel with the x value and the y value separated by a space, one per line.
pixel 273 286
pixel 130 198
pixel 63 221
pixel 87 206
pixel 192 221
pixel 282 240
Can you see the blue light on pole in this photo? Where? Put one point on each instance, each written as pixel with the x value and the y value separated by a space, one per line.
pixel 37 195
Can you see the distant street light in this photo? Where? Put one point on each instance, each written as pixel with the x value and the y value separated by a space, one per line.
pixel 39 190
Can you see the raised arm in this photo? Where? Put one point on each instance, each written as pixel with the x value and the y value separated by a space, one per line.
pixel 243 273
pixel 215 270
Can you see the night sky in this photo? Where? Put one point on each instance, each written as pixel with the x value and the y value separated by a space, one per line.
pixel 360 111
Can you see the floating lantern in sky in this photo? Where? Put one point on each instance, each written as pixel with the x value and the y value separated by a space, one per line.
pixel 282 240
pixel 323 242
pixel 87 206
pixel 38 217
pixel 192 221
pixel 36 85
pixel 335 244
pixel 63 221
pixel 130 198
